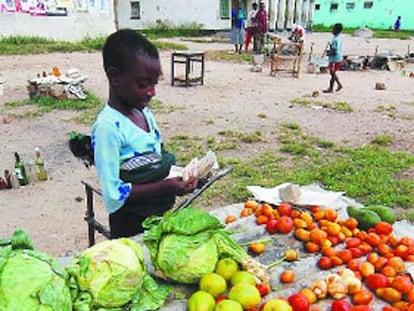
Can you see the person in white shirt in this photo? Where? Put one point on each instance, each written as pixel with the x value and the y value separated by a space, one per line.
pixel 298 33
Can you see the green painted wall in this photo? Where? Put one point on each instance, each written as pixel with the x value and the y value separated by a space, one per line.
pixel 381 15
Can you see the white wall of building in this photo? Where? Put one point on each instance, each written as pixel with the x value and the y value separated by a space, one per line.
pixel 74 27
pixel 173 13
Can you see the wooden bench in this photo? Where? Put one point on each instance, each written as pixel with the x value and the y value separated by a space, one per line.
pixel 95 226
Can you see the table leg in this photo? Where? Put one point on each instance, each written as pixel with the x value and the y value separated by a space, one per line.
pixel 172 70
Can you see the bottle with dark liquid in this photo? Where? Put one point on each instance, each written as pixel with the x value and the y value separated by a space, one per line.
pixel 20 171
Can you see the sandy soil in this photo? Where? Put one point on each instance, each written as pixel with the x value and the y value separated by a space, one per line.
pixel 232 96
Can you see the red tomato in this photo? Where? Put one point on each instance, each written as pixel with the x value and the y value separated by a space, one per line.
pixel 285 224
pixel 263 288
pixel 377 280
pixel 271 226
pixel 325 263
pixel 389 308
pixel 383 227
pixel 285 209
pixel 352 242
pixel 362 297
pixel 361 308
pixel 340 305
pixel 299 302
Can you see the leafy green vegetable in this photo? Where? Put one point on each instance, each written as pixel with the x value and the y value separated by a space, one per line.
pixel 111 275
pixel 186 244
pixel 30 280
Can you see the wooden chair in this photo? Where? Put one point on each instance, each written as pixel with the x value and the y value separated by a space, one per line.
pixel 95 226
pixel 286 56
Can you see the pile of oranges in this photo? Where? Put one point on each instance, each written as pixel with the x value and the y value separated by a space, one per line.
pixel 375 256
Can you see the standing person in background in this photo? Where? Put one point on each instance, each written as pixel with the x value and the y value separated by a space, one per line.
pixel 251 28
pixel 237 28
pixel 335 58
pixel 397 24
pixel 261 18
pixel 298 34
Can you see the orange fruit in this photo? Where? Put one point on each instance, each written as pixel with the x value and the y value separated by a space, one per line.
pixel 257 248
pixel 300 223
pixel 312 247
pixel 267 210
pixel 351 223
pixel 362 297
pixel 285 224
pixel 262 219
pixel 333 228
pixel 345 254
pixel 302 234
pixel 331 214
pixel 372 239
pixel 380 263
pixel 318 215
pixel 246 212
pixel 383 248
pixel 309 294
pixel 287 276
pixel 397 263
pixel 366 269
pixel 317 235
pixel 230 218
pixel 306 217
pixel 251 204
pixel 402 283
pixel 388 271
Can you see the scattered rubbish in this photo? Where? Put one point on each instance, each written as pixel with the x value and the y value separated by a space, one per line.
pixel 69 85
pixel 380 86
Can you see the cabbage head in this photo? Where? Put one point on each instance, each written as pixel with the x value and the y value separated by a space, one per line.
pixel 111 275
pixel 186 244
pixel 31 280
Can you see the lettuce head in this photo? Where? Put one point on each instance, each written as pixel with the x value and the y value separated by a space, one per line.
pixel 31 280
pixel 112 275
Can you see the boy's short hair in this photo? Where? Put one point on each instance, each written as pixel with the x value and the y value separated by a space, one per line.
pixel 124 45
pixel 337 28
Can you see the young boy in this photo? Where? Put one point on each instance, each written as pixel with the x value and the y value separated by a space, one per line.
pixel 335 58
pixel 126 129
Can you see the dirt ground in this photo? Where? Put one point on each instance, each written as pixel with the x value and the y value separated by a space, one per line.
pixel 232 96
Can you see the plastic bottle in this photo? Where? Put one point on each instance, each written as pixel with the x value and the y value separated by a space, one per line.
pixel 40 166
pixel 20 171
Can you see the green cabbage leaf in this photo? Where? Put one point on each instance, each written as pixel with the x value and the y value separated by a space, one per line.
pixel 111 275
pixel 186 244
pixel 31 280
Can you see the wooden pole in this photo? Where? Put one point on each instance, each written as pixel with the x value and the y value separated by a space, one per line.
pixel 305 13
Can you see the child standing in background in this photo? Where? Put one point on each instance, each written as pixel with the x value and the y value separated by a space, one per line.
pixel 335 58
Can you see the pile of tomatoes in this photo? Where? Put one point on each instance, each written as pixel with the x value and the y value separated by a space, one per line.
pixel 375 256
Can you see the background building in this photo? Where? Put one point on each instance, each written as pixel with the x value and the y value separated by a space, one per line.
pixel 378 14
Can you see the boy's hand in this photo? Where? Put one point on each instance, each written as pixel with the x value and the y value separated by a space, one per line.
pixel 182 187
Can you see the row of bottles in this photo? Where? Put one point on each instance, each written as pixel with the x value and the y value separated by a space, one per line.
pixel 22 172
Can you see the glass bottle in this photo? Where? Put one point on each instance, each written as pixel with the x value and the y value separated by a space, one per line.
pixel 40 166
pixel 20 171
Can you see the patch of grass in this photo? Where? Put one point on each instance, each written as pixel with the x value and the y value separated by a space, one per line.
pixel 368 174
pixel 209 121
pixel 227 56
pixel 167 29
pixel 377 33
pixel 262 115
pixel 382 140
pixel 337 106
pixel 44 104
pixel 386 108
pixel 20 45
pixel 158 106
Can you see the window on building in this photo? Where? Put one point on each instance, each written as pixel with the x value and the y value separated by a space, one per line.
pixel 103 6
pixel 135 10
pixel 224 9
pixel 92 3
pixel 317 7
pixel 334 7
pixel 350 6
pixel 368 4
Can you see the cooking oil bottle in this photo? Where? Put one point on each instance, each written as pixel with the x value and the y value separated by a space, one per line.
pixel 40 166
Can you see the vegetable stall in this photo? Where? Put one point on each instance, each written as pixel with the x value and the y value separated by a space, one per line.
pixel 262 254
